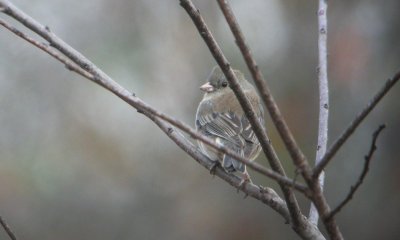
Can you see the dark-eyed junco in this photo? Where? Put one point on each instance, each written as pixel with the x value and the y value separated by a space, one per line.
pixel 220 117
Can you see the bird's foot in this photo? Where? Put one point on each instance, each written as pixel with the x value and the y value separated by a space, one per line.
pixel 262 189
pixel 245 180
pixel 214 168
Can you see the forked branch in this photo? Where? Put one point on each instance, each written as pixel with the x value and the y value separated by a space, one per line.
pixel 367 161
pixel 355 123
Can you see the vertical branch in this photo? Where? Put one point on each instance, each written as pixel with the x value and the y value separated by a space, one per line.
pixel 323 96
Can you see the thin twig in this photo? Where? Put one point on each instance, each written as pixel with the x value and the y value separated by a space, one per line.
pixel 258 129
pixel 102 79
pixel 367 161
pixel 323 97
pixel 355 123
pixel 69 65
pixel 294 150
pixel 8 230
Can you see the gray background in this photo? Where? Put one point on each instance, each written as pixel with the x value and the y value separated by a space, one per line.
pixel 78 163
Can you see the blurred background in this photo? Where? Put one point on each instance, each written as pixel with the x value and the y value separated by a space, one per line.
pixel 76 162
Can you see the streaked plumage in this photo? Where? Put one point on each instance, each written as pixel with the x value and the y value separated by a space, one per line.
pixel 220 117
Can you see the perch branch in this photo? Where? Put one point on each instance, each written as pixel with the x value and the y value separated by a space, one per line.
pixel 364 172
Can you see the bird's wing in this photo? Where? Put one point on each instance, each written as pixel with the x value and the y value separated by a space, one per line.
pixel 252 146
pixel 248 133
pixel 226 126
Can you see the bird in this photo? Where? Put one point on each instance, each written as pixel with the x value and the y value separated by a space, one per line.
pixel 220 117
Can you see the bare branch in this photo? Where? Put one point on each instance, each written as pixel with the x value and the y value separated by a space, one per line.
pixel 355 123
pixel 323 97
pixel 5 225
pixel 258 129
pixel 364 172
pixel 294 150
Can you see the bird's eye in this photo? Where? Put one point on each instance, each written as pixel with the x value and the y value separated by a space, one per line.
pixel 224 84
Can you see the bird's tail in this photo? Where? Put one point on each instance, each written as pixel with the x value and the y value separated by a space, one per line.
pixel 232 165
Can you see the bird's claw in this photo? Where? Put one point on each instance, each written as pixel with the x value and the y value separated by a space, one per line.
pixel 262 188
pixel 213 168
pixel 242 185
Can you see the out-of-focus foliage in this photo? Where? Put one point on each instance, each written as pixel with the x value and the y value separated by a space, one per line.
pixel 78 163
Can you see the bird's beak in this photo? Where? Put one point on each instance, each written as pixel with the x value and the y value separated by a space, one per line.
pixel 207 87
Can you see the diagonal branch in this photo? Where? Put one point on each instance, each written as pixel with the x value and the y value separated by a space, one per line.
pixel 8 230
pixel 364 172
pixel 294 150
pixel 126 96
pixel 355 123
pixel 258 129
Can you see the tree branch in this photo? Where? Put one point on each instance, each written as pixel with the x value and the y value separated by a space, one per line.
pixel 258 129
pixel 355 123
pixel 364 172
pixel 323 97
pixel 8 230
